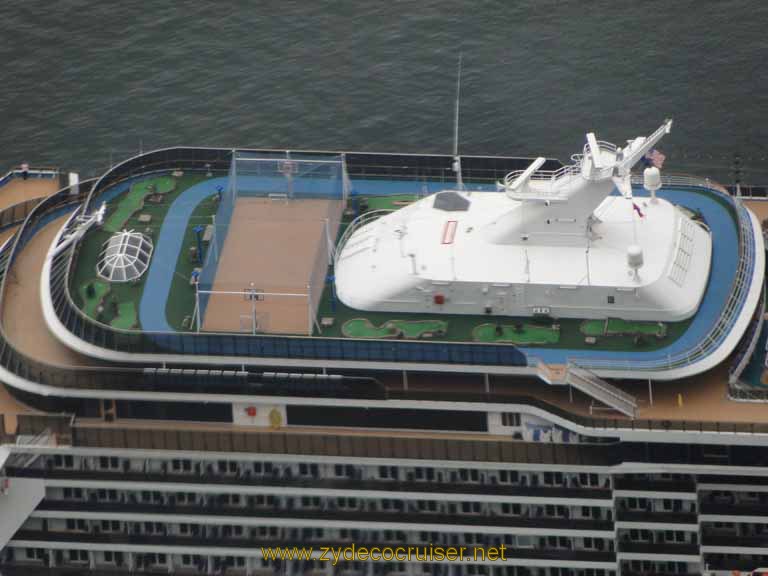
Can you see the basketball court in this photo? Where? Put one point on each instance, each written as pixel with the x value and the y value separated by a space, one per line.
pixel 270 244
pixel 272 266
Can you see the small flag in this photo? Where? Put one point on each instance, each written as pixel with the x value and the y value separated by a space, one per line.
pixel 655 158
pixel 637 209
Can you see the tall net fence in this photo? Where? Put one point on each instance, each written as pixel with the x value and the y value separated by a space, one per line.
pixel 270 244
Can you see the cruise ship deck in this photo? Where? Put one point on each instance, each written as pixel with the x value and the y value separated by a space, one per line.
pixel 135 444
pixel 695 399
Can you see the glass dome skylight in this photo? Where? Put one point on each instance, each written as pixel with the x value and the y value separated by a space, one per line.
pixel 125 256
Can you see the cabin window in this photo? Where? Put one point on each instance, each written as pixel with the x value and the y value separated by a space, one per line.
pixel 611 299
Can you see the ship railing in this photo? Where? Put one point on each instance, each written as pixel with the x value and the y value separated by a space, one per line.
pixel 610 395
pixel 596 173
pixel 33 171
pixel 358 165
pixel 744 354
pixel 545 175
pixel 722 326
pixel 362 220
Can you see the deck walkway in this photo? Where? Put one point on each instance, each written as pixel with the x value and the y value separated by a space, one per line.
pixel 14 192
pixel 20 190
pixel 22 314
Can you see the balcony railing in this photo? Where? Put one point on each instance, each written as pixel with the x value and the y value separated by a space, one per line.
pixel 659 549
pixel 428 488
pixel 656 517
pixel 643 485
pixel 106 539
pixel 360 515
pixel 741 509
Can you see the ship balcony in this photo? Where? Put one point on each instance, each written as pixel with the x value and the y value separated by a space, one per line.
pixel 244 546
pixel 630 486
pixel 659 551
pixel 733 512
pixel 305 517
pixel 453 491
pixel 713 541
pixel 676 520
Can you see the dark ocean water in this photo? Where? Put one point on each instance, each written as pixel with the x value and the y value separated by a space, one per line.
pixel 84 81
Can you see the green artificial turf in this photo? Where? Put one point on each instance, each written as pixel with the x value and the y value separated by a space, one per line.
pixel 618 327
pixel 89 249
pixel 528 334
pixel 90 304
pixel 460 327
pixel 411 329
pixel 388 202
pixel 126 318
pixel 182 301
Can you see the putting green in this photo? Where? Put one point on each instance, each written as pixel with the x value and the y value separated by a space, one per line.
pixel 528 335
pixel 90 304
pixel 593 328
pixel 133 200
pixel 411 329
pixel 159 185
pixel 126 316
pixel 619 327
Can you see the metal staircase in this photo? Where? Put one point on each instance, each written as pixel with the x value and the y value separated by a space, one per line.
pixel 597 388
pixel 587 382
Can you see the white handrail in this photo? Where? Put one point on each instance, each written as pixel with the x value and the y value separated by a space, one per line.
pixel 363 219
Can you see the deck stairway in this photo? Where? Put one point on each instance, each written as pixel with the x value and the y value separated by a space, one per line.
pixel 597 388
pixel 587 382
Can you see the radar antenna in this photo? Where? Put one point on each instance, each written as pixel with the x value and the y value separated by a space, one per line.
pixel 456 157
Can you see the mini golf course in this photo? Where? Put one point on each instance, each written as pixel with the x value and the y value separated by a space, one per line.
pixel 409 329
pixel 522 333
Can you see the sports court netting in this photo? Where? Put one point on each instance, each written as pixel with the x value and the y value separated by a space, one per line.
pixel 272 241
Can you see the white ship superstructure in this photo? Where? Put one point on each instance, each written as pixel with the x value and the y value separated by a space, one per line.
pixel 556 243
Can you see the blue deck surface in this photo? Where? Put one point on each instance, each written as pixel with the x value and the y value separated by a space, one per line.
pixel 168 245
pixel 723 268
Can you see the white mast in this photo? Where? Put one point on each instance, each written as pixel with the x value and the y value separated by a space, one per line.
pixel 456 158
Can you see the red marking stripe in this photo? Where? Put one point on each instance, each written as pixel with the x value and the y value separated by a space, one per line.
pixel 449 231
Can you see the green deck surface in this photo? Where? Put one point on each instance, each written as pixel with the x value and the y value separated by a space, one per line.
pixel 90 304
pixel 410 329
pixel 618 327
pixel 158 185
pixel 128 203
pixel 182 304
pixel 389 202
pixel 525 335
pixel 126 318
pixel 83 271
pixel 461 328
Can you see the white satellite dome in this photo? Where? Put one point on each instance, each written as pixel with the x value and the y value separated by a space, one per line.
pixel 125 256
pixel 651 179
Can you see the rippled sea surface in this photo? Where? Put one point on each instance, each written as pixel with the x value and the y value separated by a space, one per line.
pixel 87 82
